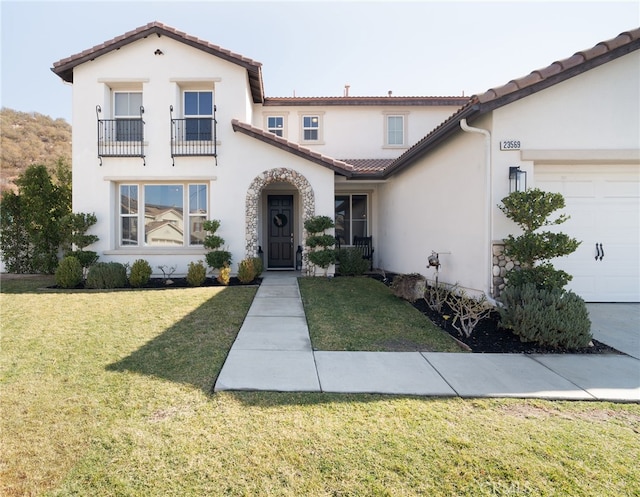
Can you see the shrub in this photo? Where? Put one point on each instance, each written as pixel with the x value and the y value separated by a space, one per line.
pixel 69 272
pixel 246 271
pixel 140 273
pixel 107 275
pixel 319 242
pixel 554 318
pixel 409 287
pixel 531 210
pixel 436 294
pixel 218 259
pixel 196 273
pixel 467 311
pixel 258 265
pixel 224 275
pixel 351 262
pixel 544 276
pixel 86 257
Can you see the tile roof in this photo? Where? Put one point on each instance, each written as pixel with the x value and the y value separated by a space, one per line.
pixel 64 67
pixel 516 89
pixel 368 166
pixel 355 101
pixel 338 166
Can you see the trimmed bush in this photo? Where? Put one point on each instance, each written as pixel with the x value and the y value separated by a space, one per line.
pixel 69 272
pixel 258 265
pixel 544 276
pixel 554 318
pixel 218 259
pixel 247 271
pixel 86 257
pixel 224 275
pixel 351 262
pixel 140 273
pixel 196 273
pixel 104 275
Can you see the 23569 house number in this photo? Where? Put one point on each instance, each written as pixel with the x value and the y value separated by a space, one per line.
pixel 510 145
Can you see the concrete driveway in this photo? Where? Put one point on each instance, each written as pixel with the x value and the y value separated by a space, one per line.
pixel 617 325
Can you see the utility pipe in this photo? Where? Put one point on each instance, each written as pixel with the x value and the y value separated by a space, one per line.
pixel 488 211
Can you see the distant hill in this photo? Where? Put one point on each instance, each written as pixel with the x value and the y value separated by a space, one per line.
pixel 30 138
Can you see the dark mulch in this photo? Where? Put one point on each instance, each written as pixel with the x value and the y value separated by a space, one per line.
pixel 159 283
pixel 490 337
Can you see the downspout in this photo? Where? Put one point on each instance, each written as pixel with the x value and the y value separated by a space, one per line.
pixel 488 211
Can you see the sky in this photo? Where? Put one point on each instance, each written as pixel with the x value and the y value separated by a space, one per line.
pixel 315 48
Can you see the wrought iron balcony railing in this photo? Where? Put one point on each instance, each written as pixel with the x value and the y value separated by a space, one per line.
pixel 193 136
pixel 123 137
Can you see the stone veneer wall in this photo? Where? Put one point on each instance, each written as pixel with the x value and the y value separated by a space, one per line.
pixel 501 264
pixel 277 175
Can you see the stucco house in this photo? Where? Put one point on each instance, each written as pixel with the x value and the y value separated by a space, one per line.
pixel 170 130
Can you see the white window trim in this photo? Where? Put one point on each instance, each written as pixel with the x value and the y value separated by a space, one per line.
pixel 405 119
pixel 285 119
pixel 320 116
pixel 186 221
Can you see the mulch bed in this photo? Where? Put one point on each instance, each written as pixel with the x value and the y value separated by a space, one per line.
pixel 490 337
pixel 160 283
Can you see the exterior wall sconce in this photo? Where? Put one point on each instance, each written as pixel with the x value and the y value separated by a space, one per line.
pixel 516 181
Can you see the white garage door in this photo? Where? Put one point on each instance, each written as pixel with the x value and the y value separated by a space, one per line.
pixel 604 204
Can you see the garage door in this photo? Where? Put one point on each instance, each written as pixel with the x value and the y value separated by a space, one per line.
pixel 604 204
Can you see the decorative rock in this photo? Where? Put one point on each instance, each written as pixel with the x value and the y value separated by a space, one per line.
pixel 509 266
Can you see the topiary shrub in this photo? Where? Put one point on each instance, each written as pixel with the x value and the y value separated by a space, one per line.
pixel 216 258
pixel 351 262
pixel 531 210
pixel 247 271
pixel 140 273
pixel 104 275
pixel 322 254
pixel 69 272
pixel 196 273
pixel 554 318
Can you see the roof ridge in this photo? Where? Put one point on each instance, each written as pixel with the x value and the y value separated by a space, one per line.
pixel 559 66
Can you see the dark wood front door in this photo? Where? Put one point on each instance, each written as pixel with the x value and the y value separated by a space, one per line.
pixel 281 253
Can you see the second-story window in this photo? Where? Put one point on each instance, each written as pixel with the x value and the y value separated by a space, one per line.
pixel 275 125
pixel 198 113
pixel 310 128
pixel 126 112
pixel 395 130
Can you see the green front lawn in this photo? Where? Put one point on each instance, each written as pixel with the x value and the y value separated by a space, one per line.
pixel 362 314
pixel 108 393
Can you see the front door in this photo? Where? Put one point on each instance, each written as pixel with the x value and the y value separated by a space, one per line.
pixel 280 242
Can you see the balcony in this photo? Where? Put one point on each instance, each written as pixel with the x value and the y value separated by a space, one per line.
pixel 123 137
pixel 193 136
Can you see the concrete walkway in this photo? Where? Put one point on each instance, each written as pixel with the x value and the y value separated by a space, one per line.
pixel 273 352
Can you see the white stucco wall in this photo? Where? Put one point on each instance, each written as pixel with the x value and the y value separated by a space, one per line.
pixel 437 204
pixel 354 131
pixel 587 118
pixel 161 78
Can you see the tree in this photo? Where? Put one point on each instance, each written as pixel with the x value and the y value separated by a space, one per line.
pixel 319 242
pixel 33 221
pixel 535 305
pixel 216 258
pixel 14 238
pixel 534 249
